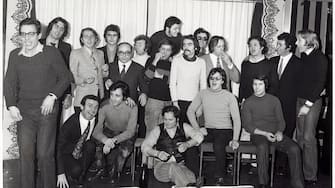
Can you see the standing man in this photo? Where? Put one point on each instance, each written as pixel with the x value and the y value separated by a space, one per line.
pixel 75 148
pixel 311 84
pixel 288 69
pixel 142 47
pixel 187 78
pixel 218 58
pixel 36 77
pixel 203 37
pixel 171 32
pixel 130 72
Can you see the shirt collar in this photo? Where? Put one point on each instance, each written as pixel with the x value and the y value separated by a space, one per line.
pixel 39 48
pixel 309 50
pixel 127 64
pixel 85 121
pixel 48 42
pixel 287 57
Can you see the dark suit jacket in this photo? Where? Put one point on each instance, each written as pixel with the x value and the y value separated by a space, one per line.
pixel 134 78
pixel 104 50
pixel 68 137
pixel 287 91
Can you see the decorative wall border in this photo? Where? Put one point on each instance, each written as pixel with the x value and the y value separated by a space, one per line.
pixel 23 11
pixel 269 28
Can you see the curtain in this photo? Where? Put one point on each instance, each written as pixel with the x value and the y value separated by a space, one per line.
pixel 130 15
pixel 229 19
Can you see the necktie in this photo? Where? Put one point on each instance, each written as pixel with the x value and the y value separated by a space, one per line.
pixel 77 152
pixel 280 67
pixel 53 44
pixel 123 72
pixel 218 65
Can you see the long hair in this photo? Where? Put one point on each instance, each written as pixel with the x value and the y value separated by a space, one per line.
pixel 55 21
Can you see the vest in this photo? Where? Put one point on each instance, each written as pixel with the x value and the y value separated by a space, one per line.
pixel 169 145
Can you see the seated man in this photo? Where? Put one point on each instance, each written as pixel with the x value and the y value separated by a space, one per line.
pixel 262 117
pixel 116 129
pixel 222 119
pixel 167 142
pixel 75 148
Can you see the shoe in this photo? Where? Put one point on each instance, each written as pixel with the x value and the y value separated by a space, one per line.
pixel 219 181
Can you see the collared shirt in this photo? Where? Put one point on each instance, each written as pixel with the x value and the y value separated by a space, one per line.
pixel 214 59
pixel 89 51
pixel 48 42
pixel 308 51
pixel 141 59
pixel 127 65
pixel 84 123
pixel 285 59
pixel 39 48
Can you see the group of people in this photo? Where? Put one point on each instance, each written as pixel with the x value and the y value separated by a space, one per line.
pixel 177 87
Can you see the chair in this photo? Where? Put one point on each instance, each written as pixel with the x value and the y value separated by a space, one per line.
pixel 137 147
pixel 208 147
pixel 249 148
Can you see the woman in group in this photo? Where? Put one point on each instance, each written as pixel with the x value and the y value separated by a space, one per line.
pixel 222 119
pixel 257 64
pixel 86 67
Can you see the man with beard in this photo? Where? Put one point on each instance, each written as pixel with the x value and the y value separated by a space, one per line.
pixel 187 78
pixel 171 32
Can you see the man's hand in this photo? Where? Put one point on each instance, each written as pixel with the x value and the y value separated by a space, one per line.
pixel 225 58
pixel 130 102
pixel 67 102
pixel 234 144
pixel 47 105
pixel 183 146
pixel 279 136
pixel 303 110
pixel 142 99
pixel 108 84
pixel 110 142
pixel 62 181
pixel 203 131
pixel 270 137
pixel 163 156
pixel 105 70
pixel 106 149
pixel 15 113
pixel 158 56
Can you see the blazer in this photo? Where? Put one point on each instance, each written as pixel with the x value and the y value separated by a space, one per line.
pixel 287 92
pixel 83 66
pixel 134 78
pixel 64 48
pixel 104 50
pixel 67 139
pixel 231 74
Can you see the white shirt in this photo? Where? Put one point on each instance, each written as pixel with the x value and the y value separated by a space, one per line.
pixel 141 59
pixel 187 78
pixel 308 51
pixel 214 59
pixel 83 125
pixel 285 60
pixel 121 65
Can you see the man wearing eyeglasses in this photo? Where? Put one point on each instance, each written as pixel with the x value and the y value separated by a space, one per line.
pixel 218 58
pixel 130 72
pixel 36 77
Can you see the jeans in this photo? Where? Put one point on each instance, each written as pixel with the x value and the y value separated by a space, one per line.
pixel 306 131
pixel 287 146
pixel 183 105
pixel 220 139
pixel 36 138
pixel 153 111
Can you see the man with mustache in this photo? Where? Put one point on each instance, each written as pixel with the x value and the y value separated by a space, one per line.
pixel 187 78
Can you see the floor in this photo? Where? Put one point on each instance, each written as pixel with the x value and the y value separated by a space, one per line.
pixel 248 177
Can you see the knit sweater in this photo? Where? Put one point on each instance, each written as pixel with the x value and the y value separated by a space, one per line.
pixel 264 113
pixel 119 118
pixel 220 108
pixel 187 78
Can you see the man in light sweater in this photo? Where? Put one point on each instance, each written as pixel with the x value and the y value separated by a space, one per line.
pixel 262 117
pixel 116 129
pixel 222 119
pixel 187 78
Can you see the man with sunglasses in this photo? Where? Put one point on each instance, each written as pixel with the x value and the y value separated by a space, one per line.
pixel 36 77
